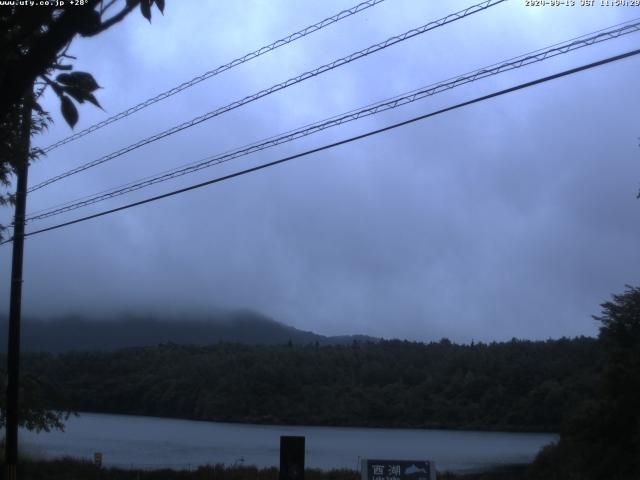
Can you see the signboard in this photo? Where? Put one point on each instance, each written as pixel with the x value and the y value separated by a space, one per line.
pixel 398 470
pixel 97 459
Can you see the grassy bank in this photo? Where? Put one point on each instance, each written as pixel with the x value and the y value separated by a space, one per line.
pixel 72 469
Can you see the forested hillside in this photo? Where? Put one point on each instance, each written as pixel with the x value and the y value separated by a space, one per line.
pixel 517 385
pixel 242 326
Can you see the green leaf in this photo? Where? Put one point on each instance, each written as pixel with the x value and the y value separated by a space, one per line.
pixel 145 8
pixel 160 4
pixel 63 78
pixel 57 89
pixel 78 94
pixel 69 111
pixel 81 80
pixel 38 108
pixel 90 97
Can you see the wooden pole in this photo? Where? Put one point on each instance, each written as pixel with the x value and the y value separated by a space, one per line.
pixel 13 351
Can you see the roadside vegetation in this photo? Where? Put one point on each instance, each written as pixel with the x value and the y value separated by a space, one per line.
pixel 600 437
pixel 64 469
pixel 587 389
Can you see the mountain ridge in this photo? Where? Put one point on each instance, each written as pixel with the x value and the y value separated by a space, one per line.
pixel 77 333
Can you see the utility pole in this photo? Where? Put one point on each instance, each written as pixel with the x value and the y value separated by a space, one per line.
pixel 13 351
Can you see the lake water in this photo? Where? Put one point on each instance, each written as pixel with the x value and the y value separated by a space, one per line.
pixel 148 442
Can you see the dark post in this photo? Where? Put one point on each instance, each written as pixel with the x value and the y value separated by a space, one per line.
pixel 13 352
pixel 291 458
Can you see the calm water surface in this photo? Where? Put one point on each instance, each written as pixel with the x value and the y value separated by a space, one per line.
pixel 159 442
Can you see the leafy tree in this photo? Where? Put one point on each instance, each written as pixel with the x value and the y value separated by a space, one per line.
pixel 34 41
pixel 388 383
pixel 602 440
pixel 36 395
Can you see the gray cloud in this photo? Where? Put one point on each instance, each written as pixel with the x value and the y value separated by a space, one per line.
pixel 514 217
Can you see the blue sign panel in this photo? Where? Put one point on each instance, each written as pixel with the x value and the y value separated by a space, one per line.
pixel 398 470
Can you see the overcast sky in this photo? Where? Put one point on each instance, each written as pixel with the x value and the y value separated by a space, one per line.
pixel 515 217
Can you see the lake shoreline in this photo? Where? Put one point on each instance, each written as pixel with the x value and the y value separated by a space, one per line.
pixel 71 468
pixel 377 426
pixel 154 442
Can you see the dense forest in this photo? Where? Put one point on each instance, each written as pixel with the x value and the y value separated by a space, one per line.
pixel 81 334
pixel 586 389
pixel 516 385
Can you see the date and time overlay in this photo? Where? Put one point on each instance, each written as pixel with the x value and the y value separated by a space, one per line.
pixel 581 3
pixel 526 3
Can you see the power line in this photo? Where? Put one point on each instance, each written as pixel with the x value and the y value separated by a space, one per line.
pixel 341 142
pixel 222 68
pixel 590 38
pixel 280 86
pixel 518 62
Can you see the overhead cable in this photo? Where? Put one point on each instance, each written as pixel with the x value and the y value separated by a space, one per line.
pixel 341 142
pixel 222 68
pixel 433 89
pixel 280 86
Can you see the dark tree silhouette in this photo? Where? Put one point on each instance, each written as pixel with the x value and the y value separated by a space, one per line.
pixel 516 385
pixel 34 42
pixel 36 394
pixel 602 439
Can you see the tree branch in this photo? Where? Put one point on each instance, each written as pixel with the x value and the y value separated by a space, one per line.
pixel 118 17
pixel 44 50
pixel 104 8
pixel 42 54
